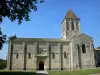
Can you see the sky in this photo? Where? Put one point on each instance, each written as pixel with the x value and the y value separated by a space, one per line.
pixel 46 21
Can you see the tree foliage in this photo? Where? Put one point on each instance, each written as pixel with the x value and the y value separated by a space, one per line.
pixel 2 39
pixel 16 10
pixel 3 64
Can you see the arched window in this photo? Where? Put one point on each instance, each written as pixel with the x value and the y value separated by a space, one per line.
pixel 67 25
pixel 72 25
pixel 17 55
pixel 83 49
pixel 65 55
pixel 53 55
pixel 29 55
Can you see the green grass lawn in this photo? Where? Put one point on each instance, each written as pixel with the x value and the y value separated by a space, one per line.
pixel 77 72
pixel 3 72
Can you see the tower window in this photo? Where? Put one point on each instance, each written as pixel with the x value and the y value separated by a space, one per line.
pixel 17 55
pixel 29 55
pixel 83 49
pixel 72 25
pixel 65 55
pixel 53 55
pixel 67 26
pixel 49 48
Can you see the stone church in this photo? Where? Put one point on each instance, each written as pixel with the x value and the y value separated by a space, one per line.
pixel 75 50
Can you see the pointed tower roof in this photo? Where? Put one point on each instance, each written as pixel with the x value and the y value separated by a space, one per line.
pixel 70 14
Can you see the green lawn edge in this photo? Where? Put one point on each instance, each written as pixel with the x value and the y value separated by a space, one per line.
pixel 76 72
pixel 63 72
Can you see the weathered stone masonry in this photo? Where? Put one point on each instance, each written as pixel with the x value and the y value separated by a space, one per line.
pixel 73 51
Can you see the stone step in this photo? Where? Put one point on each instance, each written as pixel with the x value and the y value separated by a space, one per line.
pixel 41 73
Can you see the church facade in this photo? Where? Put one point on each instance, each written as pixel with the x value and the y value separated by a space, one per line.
pixel 73 51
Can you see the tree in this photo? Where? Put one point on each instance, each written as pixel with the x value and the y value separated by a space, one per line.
pixel 3 63
pixel 2 39
pixel 16 10
pixel 98 47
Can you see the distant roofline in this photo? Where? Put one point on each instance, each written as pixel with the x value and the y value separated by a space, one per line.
pixel 97 48
pixel 40 40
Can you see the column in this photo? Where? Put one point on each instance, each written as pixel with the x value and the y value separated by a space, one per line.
pixel 79 26
pixel 61 57
pixel 59 50
pixel 93 55
pixel 81 58
pixel 70 25
pixel 36 47
pixel 75 25
pixel 49 56
pixel 71 56
pixel 24 51
pixel 90 65
pixel 47 59
pixel 9 55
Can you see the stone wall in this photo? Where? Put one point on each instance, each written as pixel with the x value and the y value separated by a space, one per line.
pixel 55 62
pixel 70 62
pixel 87 59
pixel 66 61
pixel 18 63
pixel 24 62
pixel 31 62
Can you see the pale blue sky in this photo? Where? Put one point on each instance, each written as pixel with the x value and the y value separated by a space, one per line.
pixel 46 21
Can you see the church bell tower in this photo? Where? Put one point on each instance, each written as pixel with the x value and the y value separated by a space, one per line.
pixel 70 25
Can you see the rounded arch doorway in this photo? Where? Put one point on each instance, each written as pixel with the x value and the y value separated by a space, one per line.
pixel 41 65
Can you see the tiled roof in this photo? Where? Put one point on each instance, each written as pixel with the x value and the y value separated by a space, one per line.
pixel 70 14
